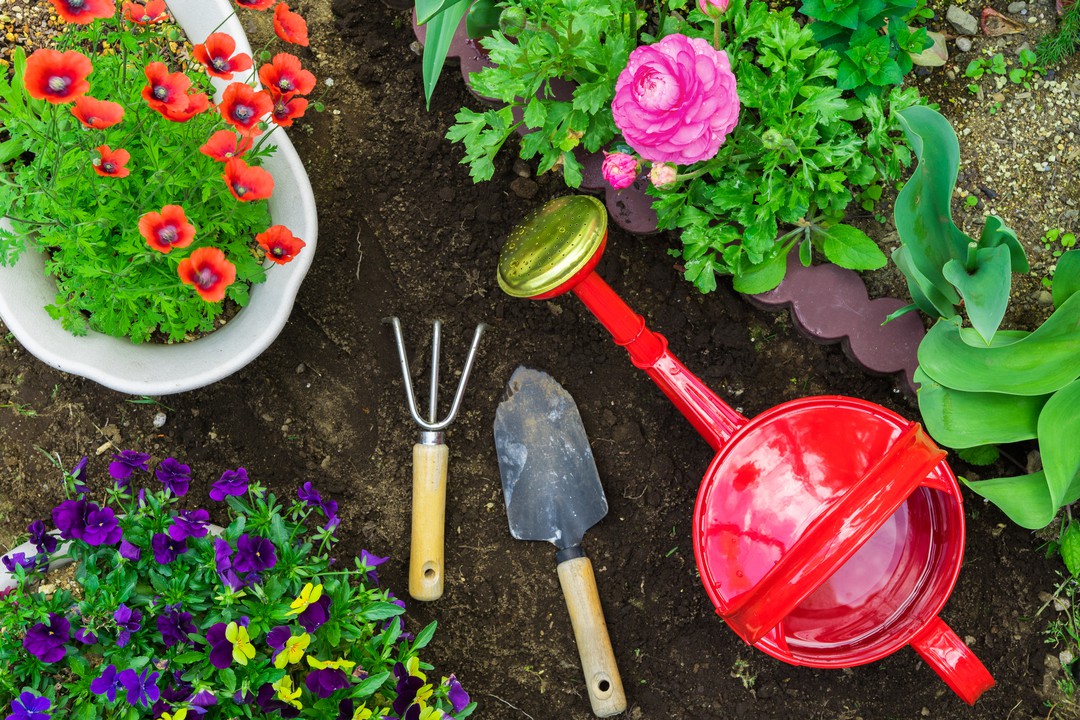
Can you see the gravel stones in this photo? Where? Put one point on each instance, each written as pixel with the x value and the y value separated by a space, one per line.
pixel 962 21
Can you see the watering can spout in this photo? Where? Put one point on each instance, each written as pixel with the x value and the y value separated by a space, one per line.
pixel 555 251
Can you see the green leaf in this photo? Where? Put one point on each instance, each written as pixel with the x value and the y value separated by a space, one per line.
pixel 1024 498
pixel 979 455
pixel 1066 277
pixel 427 9
pixel 995 232
pixel 228 679
pixel 1059 428
pixel 1040 363
pixel 424 636
pixel 958 419
pixel 764 276
pixel 1070 548
pixel 986 290
pixel 440 32
pixel 851 248
pixel 370 685
pixel 380 611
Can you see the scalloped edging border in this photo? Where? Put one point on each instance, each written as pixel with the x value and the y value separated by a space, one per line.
pixel 827 303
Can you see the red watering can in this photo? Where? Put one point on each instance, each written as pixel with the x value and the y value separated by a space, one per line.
pixel 828 531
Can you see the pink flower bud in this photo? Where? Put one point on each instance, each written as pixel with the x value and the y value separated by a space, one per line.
pixel 619 169
pixel 714 8
pixel 663 174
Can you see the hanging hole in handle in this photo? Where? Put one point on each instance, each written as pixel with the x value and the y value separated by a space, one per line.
pixel 603 687
pixel 431 572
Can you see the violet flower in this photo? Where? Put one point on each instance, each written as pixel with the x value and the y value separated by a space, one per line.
pixel 128 621
pixel 232 482
pixel 141 689
pixel 175 625
pixel 309 495
pixel 325 682
pixel 126 462
pixel 42 540
pixel 201 701
pixel 407 687
pixel 372 561
pixel 220 647
pixel 276 639
pixel 254 554
pixel 101 527
pixel 267 701
pixel 457 696
pixel 70 518
pixel 166 549
pixel 189 523
pixel 107 683
pixel 176 691
pixel 30 706
pixel 316 614
pixel 86 637
pixel 77 476
pixel 45 641
pixel 129 551
pixel 19 560
pixel 175 475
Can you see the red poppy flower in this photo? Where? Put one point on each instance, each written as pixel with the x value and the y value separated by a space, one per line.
pixel 247 183
pixel 256 4
pixel 216 55
pixel 242 107
pixel 281 245
pixel 209 271
pixel 154 11
pixel 97 114
pixel 84 12
pixel 165 90
pixel 289 26
pixel 110 163
pixel 284 76
pixel 225 144
pixel 57 77
pixel 196 103
pixel 168 229
pixel 288 109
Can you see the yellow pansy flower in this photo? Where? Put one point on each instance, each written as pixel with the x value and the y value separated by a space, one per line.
pixel 293 651
pixel 308 595
pixel 413 666
pixel 242 650
pixel 180 714
pixel 341 664
pixel 362 713
pixel 286 693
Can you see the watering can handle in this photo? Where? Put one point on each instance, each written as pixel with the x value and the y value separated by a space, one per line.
pixel 714 419
pixel 953 660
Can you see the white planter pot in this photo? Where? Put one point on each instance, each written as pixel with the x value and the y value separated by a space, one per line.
pixel 151 368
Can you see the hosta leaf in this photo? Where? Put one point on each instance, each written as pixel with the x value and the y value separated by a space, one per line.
pixel 1024 498
pixel 1059 429
pixel 1066 277
pixel 985 291
pixel 959 419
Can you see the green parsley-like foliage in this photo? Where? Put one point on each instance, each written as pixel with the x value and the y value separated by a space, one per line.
pixel 785 176
pixel 108 278
pixel 873 40
pixel 580 42
pixel 362 637
pixel 1063 42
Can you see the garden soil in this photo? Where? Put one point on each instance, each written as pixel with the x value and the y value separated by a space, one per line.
pixel 404 232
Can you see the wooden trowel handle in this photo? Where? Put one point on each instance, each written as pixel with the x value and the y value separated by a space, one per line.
pixel 428 521
pixel 594 646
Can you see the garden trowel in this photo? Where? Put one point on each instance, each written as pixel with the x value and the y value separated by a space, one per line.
pixel 553 493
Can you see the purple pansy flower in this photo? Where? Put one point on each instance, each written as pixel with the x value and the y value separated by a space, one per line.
pixel 19 560
pixel 46 640
pixel 128 621
pixel 175 625
pixel 127 462
pixel 141 689
pixel 254 554
pixel 43 541
pixel 407 687
pixel 107 683
pixel 267 701
pixel 372 561
pixel 189 523
pixel 30 706
pixel 459 699
pixel 77 476
pixel 177 691
pixel 316 614
pixel 70 517
pixel 277 638
pixel 129 551
pixel 309 495
pixel 175 475
pixel 86 637
pixel 232 482
pixel 201 701
pixel 101 527
pixel 326 681
pixel 166 549
pixel 220 647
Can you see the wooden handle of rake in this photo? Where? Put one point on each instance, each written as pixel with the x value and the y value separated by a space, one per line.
pixel 426 568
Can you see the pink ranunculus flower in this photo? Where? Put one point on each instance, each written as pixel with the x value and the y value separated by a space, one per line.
pixel 619 169
pixel 714 8
pixel 676 100
pixel 663 174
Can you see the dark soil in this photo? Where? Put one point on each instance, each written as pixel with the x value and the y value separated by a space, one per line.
pixel 405 232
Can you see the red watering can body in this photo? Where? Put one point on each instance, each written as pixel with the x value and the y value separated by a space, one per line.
pixel 828 531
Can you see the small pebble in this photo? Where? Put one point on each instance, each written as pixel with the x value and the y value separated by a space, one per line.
pixel 1045 298
pixel 159 419
pixel 963 44
pixel 300 369
pixel 1018 8
pixel 524 188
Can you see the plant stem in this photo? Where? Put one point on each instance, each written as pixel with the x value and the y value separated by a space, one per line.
pixel 972 262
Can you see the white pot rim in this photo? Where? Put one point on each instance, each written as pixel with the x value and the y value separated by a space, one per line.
pixel 156 369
